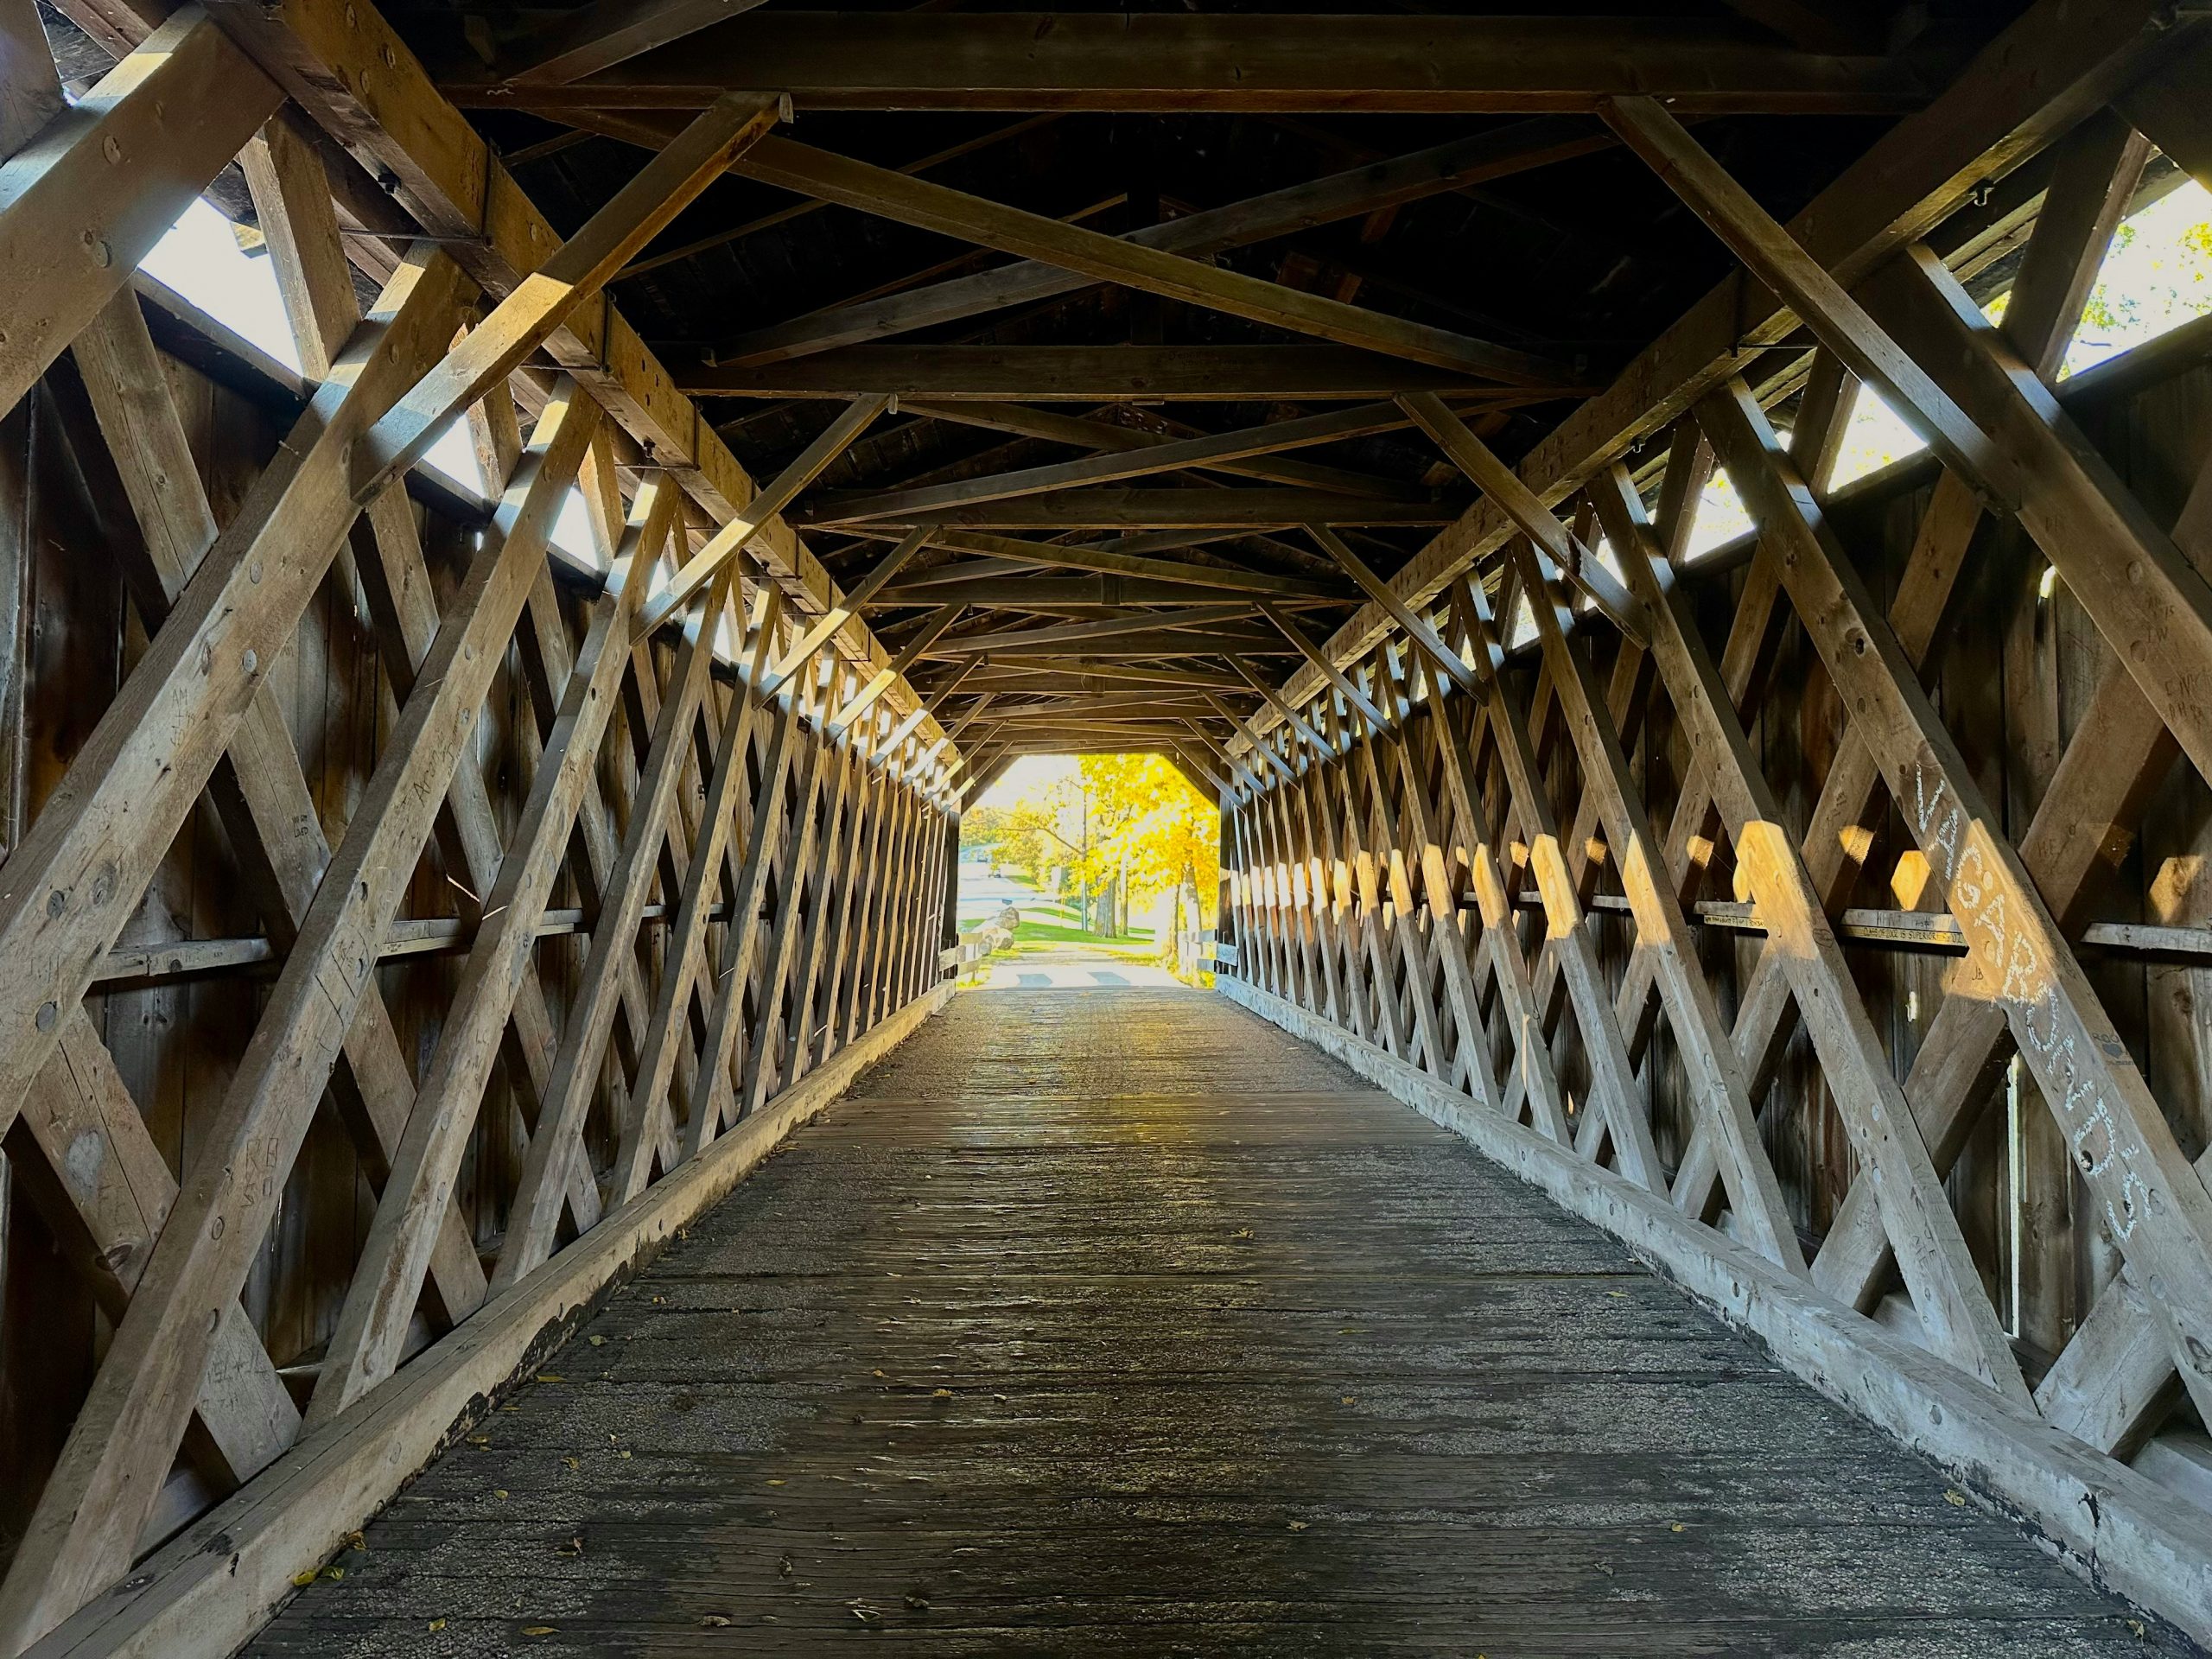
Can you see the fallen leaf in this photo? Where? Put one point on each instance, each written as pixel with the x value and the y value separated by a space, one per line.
pixel 1349 1399
pixel 624 1454
pixel 538 1630
pixel 942 1394
pixel 599 1341
pixel 879 1373
pixel 333 1573
pixel 356 1540
pixel 1954 1498
pixel 303 1580
pixel 1299 1526
pixel 548 1376
pixel 712 1621
pixel 775 1483
pixel 437 1625
pixel 1679 1526
pixel 499 1492
pixel 574 1463
pixel 479 1439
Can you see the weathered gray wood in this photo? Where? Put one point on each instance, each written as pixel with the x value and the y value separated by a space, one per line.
pixel 1159 62
pixel 104 1488
pixel 192 1602
pixel 363 1347
pixel 2141 1532
pixel 1959 1318
pixel 68 886
pixel 2153 1201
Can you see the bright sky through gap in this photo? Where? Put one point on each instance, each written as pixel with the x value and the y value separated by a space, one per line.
pixel 2156 276
pixel 200 259
pixel 1030 778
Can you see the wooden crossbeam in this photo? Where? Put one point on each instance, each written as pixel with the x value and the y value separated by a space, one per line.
pixel 355 75
pixel 712 1102
pixel 832 622
pixel 541 303
pixel 1162 62
pixel 364 1346
pixel 1007 551
pixel 1946 1286
pixel 1416 628
pixel 740 532
pixel 1108 435
pixel 1772 255
pixel 153 750
pixel 2153 1201
pixel 1076 594
pixel 2086 522
pixel 1114 508
pixel 104 1488
pixel 2033 83
pixel 1087 374
pixel 848 507
pixel 1502 487
pixel 930 206
pixel 1202 618
pixel 108 176
pixel 598 36
pixel 1515 148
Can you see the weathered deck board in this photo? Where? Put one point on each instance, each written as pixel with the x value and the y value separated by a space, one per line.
pixel 1120 1322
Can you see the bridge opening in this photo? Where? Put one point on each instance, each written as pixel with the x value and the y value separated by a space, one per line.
pixel 1091 869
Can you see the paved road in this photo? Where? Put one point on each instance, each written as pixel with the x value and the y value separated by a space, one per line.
pixel 1123 1324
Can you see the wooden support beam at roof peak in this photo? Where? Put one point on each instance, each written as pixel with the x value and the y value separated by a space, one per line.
pixel 1040 61
pixel 1112 508
pixel 1098 374
pixel 1135 461
pixel 1376 187
pixel 926 205
pixel 608 32
pixel 1100 435
pixel 1003 553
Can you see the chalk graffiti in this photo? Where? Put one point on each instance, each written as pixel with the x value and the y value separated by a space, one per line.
pixel 2016 970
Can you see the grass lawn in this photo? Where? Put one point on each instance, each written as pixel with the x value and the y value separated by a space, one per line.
pixel 1044 926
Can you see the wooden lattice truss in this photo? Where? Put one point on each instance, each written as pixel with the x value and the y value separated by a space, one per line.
pixel 1420 835
pixel 694 737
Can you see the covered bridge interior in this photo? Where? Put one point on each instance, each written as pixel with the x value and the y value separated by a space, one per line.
pixel 423 905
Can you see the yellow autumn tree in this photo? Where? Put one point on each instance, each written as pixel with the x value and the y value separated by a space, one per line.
pixel 1150 833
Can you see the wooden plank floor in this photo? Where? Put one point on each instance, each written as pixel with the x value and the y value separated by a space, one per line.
pixel 1119 1322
